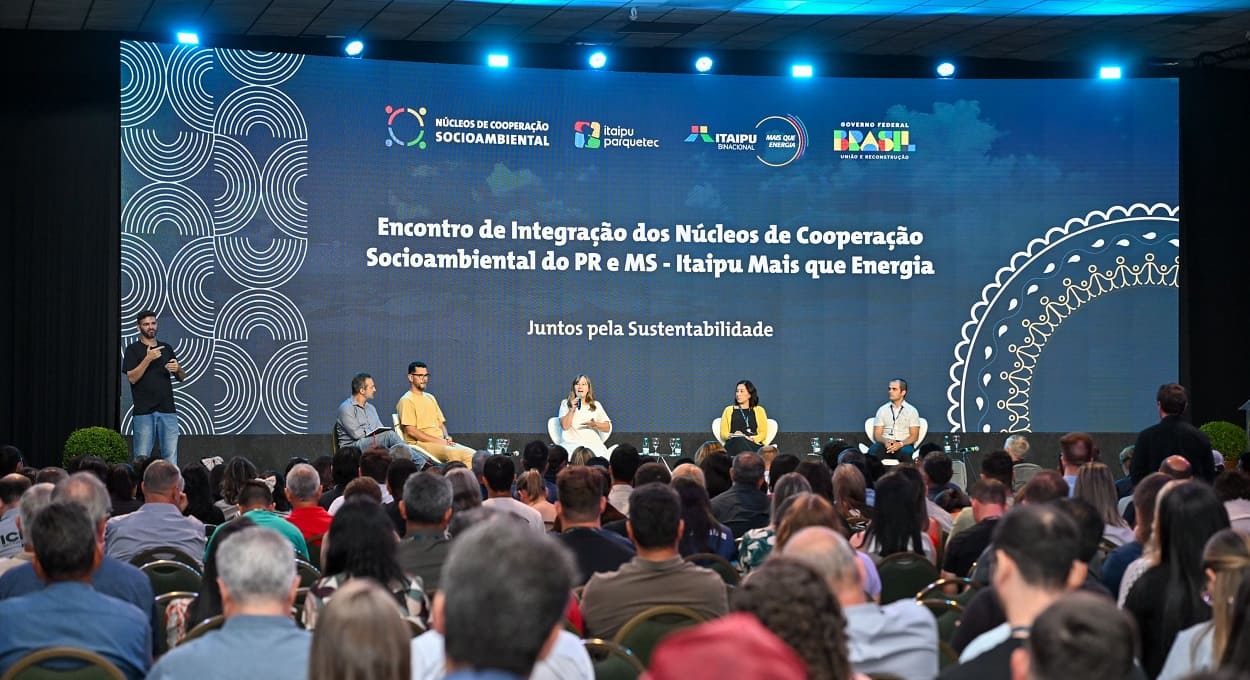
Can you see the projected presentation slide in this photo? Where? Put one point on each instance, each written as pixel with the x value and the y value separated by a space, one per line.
pixel 1008 247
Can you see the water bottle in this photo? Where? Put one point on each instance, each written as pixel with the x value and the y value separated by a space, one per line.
pixel 946 444
pixel 646 445
pixel 490 445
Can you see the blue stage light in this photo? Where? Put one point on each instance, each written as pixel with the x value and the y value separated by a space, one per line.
pixel 188 37
pixel 598 60
pixel 801 70
pixel 497 60
pixel 1110 72
pixel 945 69
pixel 353 48
pixel 703 64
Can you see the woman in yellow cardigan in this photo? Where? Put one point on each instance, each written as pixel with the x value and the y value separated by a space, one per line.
pixel 744 425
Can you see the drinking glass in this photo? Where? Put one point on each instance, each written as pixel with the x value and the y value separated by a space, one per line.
pixel 815 446
pixel 502 443
pixel 674 446
pixel 646 445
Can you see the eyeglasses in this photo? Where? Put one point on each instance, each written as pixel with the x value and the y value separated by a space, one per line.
pixel 419 375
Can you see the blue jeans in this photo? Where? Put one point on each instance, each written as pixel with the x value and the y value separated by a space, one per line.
pixel 152 426
pixel 390 440
pixel 877 450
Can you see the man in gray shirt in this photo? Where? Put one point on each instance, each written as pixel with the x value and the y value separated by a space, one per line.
pixel 426 507
pixel 259 639
pixel 159 522
pixel 359 425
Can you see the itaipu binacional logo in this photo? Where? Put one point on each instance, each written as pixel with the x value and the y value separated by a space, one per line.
pixel 405 126
pixel 777 141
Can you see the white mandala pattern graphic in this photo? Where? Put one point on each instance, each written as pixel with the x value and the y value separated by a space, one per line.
pixel 243 341
pixel 1041 286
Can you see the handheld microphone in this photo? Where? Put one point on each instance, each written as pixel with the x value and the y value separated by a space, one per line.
pixel 579 402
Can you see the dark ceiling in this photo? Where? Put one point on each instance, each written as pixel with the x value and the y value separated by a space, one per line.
pixel 1181 32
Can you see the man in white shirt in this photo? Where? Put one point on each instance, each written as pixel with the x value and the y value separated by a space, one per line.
pixel 498 475
pixel 896 428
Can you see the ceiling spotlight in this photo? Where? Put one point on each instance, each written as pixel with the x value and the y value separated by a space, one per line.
pixel 945 69
pixel 497 60
pixel 801 70
pixel 353 48
pixel 188 37
pixel 1110 72
pixel 703 64
pixel 598 60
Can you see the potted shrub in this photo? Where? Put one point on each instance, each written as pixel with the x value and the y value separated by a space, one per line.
pixel 1227 438
pixel 97 441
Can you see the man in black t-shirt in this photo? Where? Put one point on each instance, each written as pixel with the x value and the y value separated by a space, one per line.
pixel 149 366
pixel 989 502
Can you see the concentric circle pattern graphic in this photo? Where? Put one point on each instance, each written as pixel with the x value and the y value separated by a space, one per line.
pixel 1054 278
pixel 213 225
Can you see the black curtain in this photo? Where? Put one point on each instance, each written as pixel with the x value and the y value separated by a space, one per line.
pixel 59 123
pixel 1215 242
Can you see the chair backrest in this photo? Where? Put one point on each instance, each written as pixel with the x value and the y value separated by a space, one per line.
pixel 1021 473
pixel 869 427
pixel 168 576
pixel 308 573
pixel 71 663
pixel 903 575
pixel 728 573
pixel 166 553
pixel 772 432
pixel 959 474
pixel 211 623
pixel 716 429
pixel 612 661
pixel 554 431
pixel 162 605
pixel 947 613
pixel 647 628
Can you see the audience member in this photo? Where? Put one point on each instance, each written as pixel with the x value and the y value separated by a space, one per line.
pixel 898 524
pixel 702 532
pixel 1061 644
pixel 757 544
pixel 159 523
pixel 10 459
pixel 256 504
pixel 426 507
pixel 1118 561
pixel 234 473
pixel 360 544
pixel 181 615
pixel 850 496
pixel 1233 489
pixel 782 465
pixel 1036 549
pixel 794 602
pixel 1225 561
pixel 1124 485
pixel 623 465
pixel 197 487
pixel 375 462
pixel 716 465
pixel 32 501
pixel 989 502
pixel 498 475
pixel 121 485
pixel 397 473
pixel 1075 449
pixel 578 507
pixel 1017 446
pixel 1095 486
pixel 733 646
pixel 1170 436
pixel 343 469
pixel 557 460
pixel 1187 514
pixel 744 506
pixel 362 487
pixel 531 491
pixel 258 639
pixel 819 477
pixel 12 486
pixel 466 490
pixel 657 575
pixel 534 457
pixel 1177 467
pixel 652 472
pixel 362 636
pixel 68 611
pixel 899 638
pixel 501 606
pixel 937 469
pixel 581 456
pixel 51 475
pixel 690 471
pixel 303 490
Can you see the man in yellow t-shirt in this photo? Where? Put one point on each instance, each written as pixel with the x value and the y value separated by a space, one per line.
pixel 422 420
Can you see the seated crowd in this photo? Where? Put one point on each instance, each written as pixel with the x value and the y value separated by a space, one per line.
pixel 358 565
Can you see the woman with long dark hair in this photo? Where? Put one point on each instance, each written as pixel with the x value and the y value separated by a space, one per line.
pixel 1168 596
pixel 899 520
pixel 744 424
pixel 199 491
pixel 362 544
pixel 703 534
pixel 1226 560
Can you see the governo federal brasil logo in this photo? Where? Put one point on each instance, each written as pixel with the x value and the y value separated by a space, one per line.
pixel 405 126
